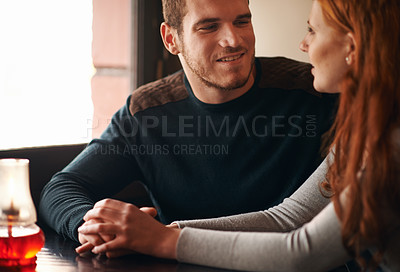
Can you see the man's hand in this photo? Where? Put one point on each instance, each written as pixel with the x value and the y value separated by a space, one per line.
pixel 133 229
pixel 91 240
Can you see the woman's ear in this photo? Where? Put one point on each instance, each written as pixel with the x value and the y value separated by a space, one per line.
pixel 351 48
pixel 170 38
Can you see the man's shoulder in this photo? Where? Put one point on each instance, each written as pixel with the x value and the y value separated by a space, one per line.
pixel 160 92
pixel 288 74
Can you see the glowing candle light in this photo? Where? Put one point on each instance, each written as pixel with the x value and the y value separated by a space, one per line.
pixel 20 238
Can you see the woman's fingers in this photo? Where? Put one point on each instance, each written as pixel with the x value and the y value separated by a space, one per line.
pixel 173 226
pixel 149 210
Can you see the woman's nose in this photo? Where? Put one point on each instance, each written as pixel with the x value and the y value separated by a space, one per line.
pixel 303 45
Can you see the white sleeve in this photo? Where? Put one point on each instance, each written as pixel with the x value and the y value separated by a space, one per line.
pixel 317 246
pixel 293 212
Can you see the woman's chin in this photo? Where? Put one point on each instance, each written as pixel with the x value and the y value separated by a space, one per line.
pixel 325 89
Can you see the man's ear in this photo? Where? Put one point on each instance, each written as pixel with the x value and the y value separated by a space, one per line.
pixel 351 49
pixel 169 37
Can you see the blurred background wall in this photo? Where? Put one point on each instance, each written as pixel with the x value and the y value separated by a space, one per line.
pixel 280 25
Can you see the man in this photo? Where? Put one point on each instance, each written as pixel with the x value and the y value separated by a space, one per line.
pixel 228 134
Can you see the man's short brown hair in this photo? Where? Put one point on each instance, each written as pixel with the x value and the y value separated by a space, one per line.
pixel 174 11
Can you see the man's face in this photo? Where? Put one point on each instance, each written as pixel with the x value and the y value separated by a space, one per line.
pixel 217 43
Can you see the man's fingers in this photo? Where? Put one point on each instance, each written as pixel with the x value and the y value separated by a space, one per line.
pixel 94 239
pixel 101 228
pixel 119 253
pixel 101 213
pixel 110 204
pixel 107 237
pixel 106 247
pixel 84 248
pixel 111 210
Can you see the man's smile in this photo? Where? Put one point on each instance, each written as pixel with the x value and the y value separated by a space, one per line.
pixel 230 58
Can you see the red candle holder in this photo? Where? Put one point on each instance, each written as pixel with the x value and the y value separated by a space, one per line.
pixel 20 238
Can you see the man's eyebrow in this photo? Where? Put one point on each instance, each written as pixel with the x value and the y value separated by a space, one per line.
pixel 213 20
pixel 244 16
pixel 205 21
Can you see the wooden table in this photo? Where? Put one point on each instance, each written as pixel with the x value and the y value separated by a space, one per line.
pixel 58 255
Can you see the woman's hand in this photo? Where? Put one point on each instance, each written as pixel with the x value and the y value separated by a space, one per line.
pixel 133 229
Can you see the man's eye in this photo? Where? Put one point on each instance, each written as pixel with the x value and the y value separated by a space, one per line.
pixel 242 23
pixel 208 28
pixel 310 30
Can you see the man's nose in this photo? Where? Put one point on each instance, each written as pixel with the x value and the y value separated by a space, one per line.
pixel 229 37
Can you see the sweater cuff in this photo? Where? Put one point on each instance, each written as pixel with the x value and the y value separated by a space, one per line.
pixel 76 221
pixel 181 224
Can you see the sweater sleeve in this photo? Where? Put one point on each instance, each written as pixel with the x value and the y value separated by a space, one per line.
pixel 317 246
pixel 292 213
pixel 98 172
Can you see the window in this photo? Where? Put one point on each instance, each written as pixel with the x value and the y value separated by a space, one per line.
pixel 45 72
pixel 67 66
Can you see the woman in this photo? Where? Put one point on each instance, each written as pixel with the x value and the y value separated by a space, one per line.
pixel 353 47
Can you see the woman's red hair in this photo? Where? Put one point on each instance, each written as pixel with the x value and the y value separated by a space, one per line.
pixel 364 166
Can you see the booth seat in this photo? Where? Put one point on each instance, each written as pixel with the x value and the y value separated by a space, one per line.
pixel 44 162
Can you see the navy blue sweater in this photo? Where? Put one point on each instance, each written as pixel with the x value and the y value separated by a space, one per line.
pixel 200 160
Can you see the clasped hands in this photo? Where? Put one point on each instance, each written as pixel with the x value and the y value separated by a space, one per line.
pixel 117 228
